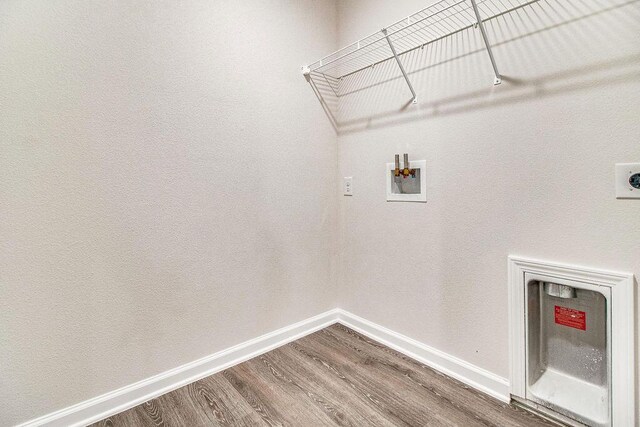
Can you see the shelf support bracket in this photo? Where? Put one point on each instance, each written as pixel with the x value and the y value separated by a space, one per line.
pixel 404 73
pixel 306 72
pixel 498 78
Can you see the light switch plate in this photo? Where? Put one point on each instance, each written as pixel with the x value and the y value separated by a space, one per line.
pixel 348 186
pixel 628 180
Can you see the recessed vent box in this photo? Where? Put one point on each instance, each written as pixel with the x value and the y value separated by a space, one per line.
pixel 568 348
pixel 572 343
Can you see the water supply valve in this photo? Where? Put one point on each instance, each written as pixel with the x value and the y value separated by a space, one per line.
pixel 406 171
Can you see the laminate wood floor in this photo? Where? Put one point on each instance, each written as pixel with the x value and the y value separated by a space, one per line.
pixel 334 377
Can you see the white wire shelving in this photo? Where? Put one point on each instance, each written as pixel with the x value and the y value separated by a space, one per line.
pixel 431 24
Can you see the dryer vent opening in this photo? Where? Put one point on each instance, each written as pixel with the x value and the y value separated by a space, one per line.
pixel 568 361
pixel 572 342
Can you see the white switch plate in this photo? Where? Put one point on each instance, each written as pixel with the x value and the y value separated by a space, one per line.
pixel 348 186
pixel 624 189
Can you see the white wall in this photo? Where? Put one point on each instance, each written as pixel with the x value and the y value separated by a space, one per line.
pixel 151 209
pixel 166 188
pixel 523 168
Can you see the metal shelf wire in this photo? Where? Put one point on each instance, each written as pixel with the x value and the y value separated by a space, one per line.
pixel 433 23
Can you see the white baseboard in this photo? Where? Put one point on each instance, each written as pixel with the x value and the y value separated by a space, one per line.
pixel 473 376
pixel 111 403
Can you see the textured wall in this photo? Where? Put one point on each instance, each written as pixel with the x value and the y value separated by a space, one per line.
pixel 523 168
pixel 151 211
pixel 166 188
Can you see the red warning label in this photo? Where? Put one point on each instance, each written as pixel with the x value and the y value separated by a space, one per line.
pixel 571 318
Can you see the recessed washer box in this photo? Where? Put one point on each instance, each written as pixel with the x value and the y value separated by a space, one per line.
pixel 410 188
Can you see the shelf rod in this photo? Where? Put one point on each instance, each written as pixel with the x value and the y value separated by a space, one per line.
pixel 404 73
pixel 325 106
pixel 330 85
pixel 529 3
pixel 498 78
pixel 407 51
pixel 377 40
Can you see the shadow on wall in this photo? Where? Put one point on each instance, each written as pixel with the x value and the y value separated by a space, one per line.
pixel 542 48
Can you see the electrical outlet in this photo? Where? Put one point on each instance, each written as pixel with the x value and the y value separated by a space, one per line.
pixel 348 186
pixel 628 180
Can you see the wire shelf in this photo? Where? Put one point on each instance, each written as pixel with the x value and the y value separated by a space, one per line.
pixel 433 23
